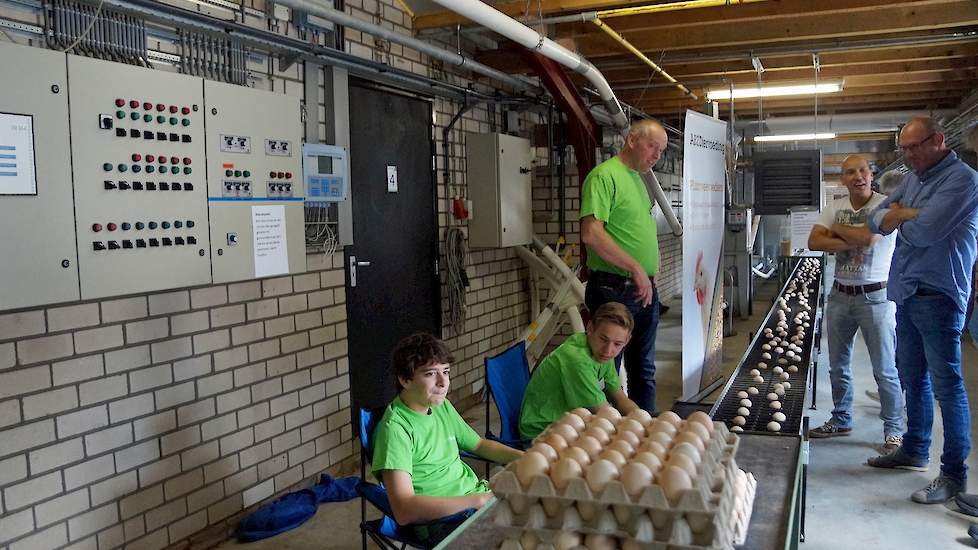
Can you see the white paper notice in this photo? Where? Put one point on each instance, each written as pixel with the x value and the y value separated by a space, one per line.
pixel 17 175
pixel 271 246
pixel 802 222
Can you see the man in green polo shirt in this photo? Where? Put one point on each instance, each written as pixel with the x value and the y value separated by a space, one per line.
pixel 579 373
pixel 618 229
pixel 417 442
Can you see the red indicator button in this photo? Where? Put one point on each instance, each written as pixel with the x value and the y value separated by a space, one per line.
pixel 120 102
pixel 174 160
pixel 162 159
pixel 96 227
pixel 136 157
pixel 133 103
pixel 186 160
pixel 173 109
pixel 288 175
pixel 112 227
pixel 160 107
pixel 281 174
pixel 147 105
pixel 185 110
pixel 271 175
pixel 150 158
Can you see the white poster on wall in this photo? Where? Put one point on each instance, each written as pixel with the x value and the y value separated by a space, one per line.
pixel 271 246
pixel 704 178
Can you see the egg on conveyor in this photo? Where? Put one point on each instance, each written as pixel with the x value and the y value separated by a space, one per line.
pixel 752 390
pixel 784 376
pixel 565 470
pixel 772 396
pixel 773 427
pixel 762 365
pixel 531 465
pixel 745 403
pixel 739 420
pixel 766 347
pixel 755 372
pixel 758 379
pixel 792 369
pixel 600 474
pixel 737 429
pixel 779 416
pixel 742 394
pixel 743 411
pixel 766 355
pixel 635 477
pixel 777 370
pixel 776 405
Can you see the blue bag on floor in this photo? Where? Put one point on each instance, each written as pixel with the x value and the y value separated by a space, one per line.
pixel 294 509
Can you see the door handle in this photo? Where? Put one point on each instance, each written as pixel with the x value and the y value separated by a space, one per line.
pixel 353 270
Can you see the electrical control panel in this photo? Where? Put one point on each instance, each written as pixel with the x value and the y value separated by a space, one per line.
pixel 38 256
pixel 325 173
pixel 255 189
pixel 137 140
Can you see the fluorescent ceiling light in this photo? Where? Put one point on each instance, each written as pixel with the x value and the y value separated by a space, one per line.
pixel 793 137
pixel 774 91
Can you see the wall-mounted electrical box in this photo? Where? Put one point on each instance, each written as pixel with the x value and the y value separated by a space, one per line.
pixel 38 256
pixel 255 189
pixel 498 171
pixel 325 173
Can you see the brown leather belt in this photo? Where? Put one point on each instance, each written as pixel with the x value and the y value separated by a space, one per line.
pixel 864 289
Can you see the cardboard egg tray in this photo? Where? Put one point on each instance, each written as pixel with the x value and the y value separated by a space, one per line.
pixel 648 518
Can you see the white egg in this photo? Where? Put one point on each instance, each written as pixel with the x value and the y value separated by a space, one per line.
pixel 777 370
pixel 779 416
pixel 772 396
pixel 787 385
pixel 739 420
pixel 635 477
pixel 755 372
pixel 742 394
pixel 784 376
pixel 565 470
pixel 766 347
pixel 752 390
pixel 531 465
pixel 773 427
pixel 737 429
pixel 792 369
pixel 779 390
pixel 745 403
pixel 776 405
pixel 782 361
pixel 743 411
pixel 766 355
pixel 779 350
pixel 600 473
pixel 758 379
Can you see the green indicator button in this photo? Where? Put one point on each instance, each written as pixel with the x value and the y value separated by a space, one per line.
pixel 227 173
pixel 161 119
pixel 247 173
pixel 134 116
pixel 187 170
pixel 150 168
pixel 107 167
pixel 122 168
pixel 140 225
pixel 120 114
pixel 152 225
pixel 185 122
pixel 173 120
pixel 237 173
pixel 174 169
pixel 136 168
pixel 147 118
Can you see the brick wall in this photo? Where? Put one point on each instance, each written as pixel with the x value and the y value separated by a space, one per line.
pixel 159 420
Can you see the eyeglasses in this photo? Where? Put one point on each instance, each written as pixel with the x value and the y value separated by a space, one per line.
pixel 914 146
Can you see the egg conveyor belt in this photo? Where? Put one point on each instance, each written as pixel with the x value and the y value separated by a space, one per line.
pixel 767 391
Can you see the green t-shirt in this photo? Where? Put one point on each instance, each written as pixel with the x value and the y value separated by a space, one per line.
pixel 426 447
pixel 566 379
pixel 616 195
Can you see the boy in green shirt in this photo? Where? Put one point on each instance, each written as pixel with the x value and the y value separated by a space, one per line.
pixel 417 442
pixel 579 373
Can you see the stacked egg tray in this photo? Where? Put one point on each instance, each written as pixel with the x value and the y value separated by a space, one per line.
pixel 731 402
pixel 703 517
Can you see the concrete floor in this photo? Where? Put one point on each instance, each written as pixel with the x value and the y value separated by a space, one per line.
pixel 850 505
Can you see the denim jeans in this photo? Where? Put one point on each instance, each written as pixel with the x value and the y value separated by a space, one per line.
pixel 639 353
pixel 929 359
pixel 874 315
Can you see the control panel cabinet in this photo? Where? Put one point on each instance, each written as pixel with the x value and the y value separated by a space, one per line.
pixel 498 174
pixel 255 189
pixel 38 254
pixel 137 140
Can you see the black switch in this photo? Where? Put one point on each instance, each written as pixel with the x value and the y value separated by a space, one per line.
pixel 185 138
pixel 124 186
pixel 178 240
pixel 140 226
pixel 165 225
pixel 154 242
pixel 167 241
pixel 108 184
pixel 175 186
pixel 105 122
pixel 164 186
pixel 120 132
pixel 113 245
pixel 97 245
pixel 134 133
pixel 178 224
pixel 137 186
pixel 161 136
pixel 147 134
pixel 150 186
pixel 140 243
pixel 174 137
pixel 127 244
pixel 188 187
pixel 191 240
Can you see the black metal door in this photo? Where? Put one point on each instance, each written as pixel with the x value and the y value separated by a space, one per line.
pixel 395 238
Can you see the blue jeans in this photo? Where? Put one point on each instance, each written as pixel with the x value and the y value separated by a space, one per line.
pixel 639 353
pixel 929 359
pixel 874 315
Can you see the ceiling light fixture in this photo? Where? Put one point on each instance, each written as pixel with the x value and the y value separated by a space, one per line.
pixel 793 137
pixel 721 94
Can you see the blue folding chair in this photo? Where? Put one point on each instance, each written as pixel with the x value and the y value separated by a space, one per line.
pixel 507 376
pixel 386 532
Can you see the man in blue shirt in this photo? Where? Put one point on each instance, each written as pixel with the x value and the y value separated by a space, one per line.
pixel 936 211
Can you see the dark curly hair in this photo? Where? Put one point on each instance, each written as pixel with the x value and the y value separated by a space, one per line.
pixel 415 352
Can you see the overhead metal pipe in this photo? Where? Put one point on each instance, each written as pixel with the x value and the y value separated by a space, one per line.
pixel 319 8
pixel 501 23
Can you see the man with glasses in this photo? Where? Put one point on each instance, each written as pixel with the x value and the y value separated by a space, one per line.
pixel 618 228
pixel 936 211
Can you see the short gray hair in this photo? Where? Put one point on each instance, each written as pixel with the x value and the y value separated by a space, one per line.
pixel 890 181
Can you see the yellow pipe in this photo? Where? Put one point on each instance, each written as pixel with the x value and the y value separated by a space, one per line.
pixel 628 46
pixel 673 6
pixel 406 9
